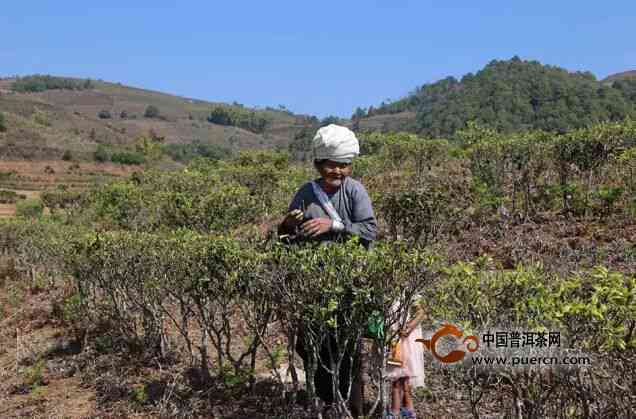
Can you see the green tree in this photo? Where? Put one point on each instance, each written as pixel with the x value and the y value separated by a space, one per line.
pixel 358 114
pixel 331 119
pixel 101 155
pixel 238 116
pixel 67 156
pixel 3 123
pixel 128 157
pixel 151 112
pixel 40 83
pixel 104 114
pixel 219 115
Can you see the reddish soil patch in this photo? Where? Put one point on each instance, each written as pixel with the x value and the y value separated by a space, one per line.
pixel 7 210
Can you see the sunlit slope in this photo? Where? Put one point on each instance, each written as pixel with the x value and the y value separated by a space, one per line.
pixel 43 125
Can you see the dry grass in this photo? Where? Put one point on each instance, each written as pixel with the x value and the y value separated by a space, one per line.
pixel 620 76
pixel 388 122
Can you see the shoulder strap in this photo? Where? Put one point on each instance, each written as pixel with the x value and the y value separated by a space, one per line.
pixel 325 202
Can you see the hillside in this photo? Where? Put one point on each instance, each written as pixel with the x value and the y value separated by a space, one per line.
pixel 621 76
pixel 511 95
pixel 46 124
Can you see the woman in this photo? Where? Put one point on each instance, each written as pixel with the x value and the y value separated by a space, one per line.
pixel 332 208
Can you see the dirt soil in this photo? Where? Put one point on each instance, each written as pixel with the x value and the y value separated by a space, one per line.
pixel 35 380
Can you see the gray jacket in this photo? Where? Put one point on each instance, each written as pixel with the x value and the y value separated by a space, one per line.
pixel 352 203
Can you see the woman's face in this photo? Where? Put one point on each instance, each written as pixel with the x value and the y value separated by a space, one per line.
pixel 333 173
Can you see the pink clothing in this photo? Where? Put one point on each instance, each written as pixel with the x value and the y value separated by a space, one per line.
pixel 412 357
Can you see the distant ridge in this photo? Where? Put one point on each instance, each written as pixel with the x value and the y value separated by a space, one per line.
pixel 508 95
pixel 621 76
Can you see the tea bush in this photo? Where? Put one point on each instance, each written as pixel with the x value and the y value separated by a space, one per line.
pixel 594 311
pixel 60 199
pixel 182 270
pixel 29 208
pixel 328 293
pixel 433 204
pixel 537 167
pixel 10 197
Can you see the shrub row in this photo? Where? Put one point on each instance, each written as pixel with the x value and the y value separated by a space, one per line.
pixel 40 83
pixel 220 296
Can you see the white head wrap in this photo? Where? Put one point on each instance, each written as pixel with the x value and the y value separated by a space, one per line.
pixel 335 143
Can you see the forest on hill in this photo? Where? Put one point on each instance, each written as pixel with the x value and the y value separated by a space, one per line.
pixel 513 95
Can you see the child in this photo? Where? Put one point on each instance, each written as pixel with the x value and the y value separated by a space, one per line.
pixel 411 371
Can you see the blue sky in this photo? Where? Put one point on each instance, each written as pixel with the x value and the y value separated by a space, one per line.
pixel 318 58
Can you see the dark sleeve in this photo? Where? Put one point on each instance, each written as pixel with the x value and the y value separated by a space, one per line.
pixel 300 201
pixel 363 223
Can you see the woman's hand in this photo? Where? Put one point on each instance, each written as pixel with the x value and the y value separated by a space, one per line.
pixel 316 227
pixel 293 219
